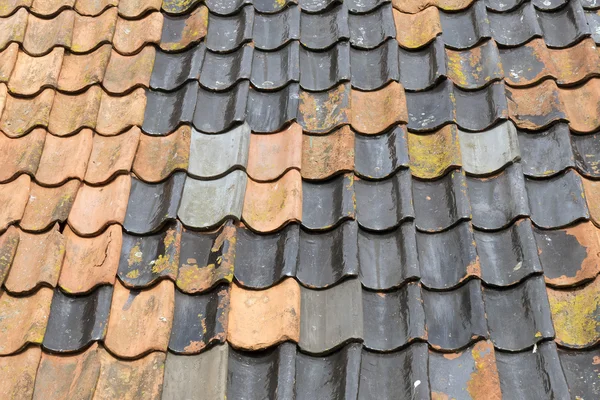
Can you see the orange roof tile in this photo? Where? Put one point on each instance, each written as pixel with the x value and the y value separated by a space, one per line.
pixel 416 30
pixel 21 155
pixel 270 156
pixel 94 7
pixel 7 7
pixel 112 155
pixel 8 58
pixel 19 373
pixel 12 29
pixel 72 112
pixel 9 240
pixel 373 112
pixel 49 7
pixel 48 205
pixel 90 32
pixel 20 115
pixel 117 114
pixel 328 155
pixel 64 158
pixel 159 156
pixel 135 8
pixel 432 155
pixel 13 199
pixel 131 35
pixel 126 72
pixel 80 71
pixel 44 34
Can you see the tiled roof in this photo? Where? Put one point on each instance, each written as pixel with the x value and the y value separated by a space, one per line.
pixel 310 199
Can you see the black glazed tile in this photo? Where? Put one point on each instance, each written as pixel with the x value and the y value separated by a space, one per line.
pixel 226 7
pixel 371 30
pixel 466 28
pixel 179 7
pixel 320 31
pixel 373 69
pixel 550 5
pixel 379 156
pixel 546 152
pixel 166 111
pixel 270 7
pixel 222 71
pixel 586 150
pixel 317 6
pixel 565 26
pixel 270 111
pixel 325 204
pixel 322 70
pixel 361 7
pixel 171 71
pixel 593 20
pixel 515 27
pixel 227 33
pixel 590 4
pixel 275 69
pixel 272 31
pixel 581 370
pixel 502 5
pixel 423 68
pixel 217 112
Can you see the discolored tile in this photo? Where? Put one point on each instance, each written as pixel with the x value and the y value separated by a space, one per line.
pixel 586 153
pixel 23 114
pixel 325 156
pixel 416 30
pixel 547 152
pixel 135 8
pixel 536 107
pixel 158 157
pixel 326 204
pixel 8 58
pixel 91 32
pixel 126 72
pixel 132 35
pixel 117 114
pixel 81 71
pixel 178 7
pixel 433 155
pixel 19 373
pixel 22 155
pixel 216 112
pixel 271 111
pixel 42 35
pixel 166 111
pixel 13 197
pixel 324 111
pixel 32 74
pixel 64 158
pixel 48 205
pixel 9 240
pixel 171 71
pixel 94 7
pixel 272 31
pixel 13 27
pixel 221 71
pixel 476 67
pixel 72 112
pixel 582 106
pixel 275 69
pixel 48 7
pixel 374 112
pixel 111 155
pixel 419 5
pixel 581 372
pixel 179 33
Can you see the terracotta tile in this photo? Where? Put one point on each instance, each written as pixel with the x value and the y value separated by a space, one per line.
pixel 19 374
pixel 583 106
pixel 3 96
pixel 414 6
pixel 97 207
pixel 48 205
pixel 149 311
pixel 325 156
pixel 112 155
pixel 592 196
pixel 21 155
pixel 158 157
pixel 68 377
pixel 131 35
pixel 72 112
pixel 8 58
pixel 12 29
pixel 44 34
pixel 49 7
pixel 94 7
pixel 373 112
pixel 38 261
pixel 119 113
pixel 432 155
pixel 90 32
pixel 13 199
pixel 193 30
pixel 268 206
pixel 7 7
pixel 261 318
pixel 574 64
pixel 31 74
pixel 126 72
pixel 23 319
pixel 90 262
pixel 535 107
pixel 416 30
pixel 9 241
pixel 270 156
pixel 81 71
pixel 130 380
pixel 64 158
pixel 321 112
pixel 135 8
pixel 22 114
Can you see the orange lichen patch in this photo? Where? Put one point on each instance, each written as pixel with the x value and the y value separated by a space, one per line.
pixel 7 7
pixel 8 58
pixel 538 62
pixel 94 7
pixel 38 261
pixel 90 32
pixel 90 262
pixel 12 29
pixel 322 112
pixel 270 156
pixel 325 156
pixel 73 112
pixel 31 74
pixel 68 377
pixel 23 114
pixel 23 319
pixel 64 158
pixel 49 7
pixel 131 35
pixel 484 382
pixel 9 241
pixel 19 374
pixel 97 207
pixel 42 35
pixel 196 25
pixel 414 6
pixel 432 155
pixel 592 196
pixel 22 155
pixel 112 155
pixel 373 112
pixel 132 312
pixel 159 156
pixel 576 63
pixel 135 8
pixel 582 106
pixel 194 278
pixel 535 107
pixel 48 205
pixel 268 206
pixel 416 30
pixel 576 315
pixel 126 72
pixel 262 318
pixel 81 71
pixel 117 114
pixel 13 199
pixel 130 380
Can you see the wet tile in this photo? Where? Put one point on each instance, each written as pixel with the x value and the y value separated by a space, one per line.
pixel 536 107
pixel 217 112
pixel 547 152
pixel 227 7
pixel 272 31
pixel 416 30
pixel 581 372
pixel 322 30
pixel 179 33
pixel 326 204
pixel 324 69
pixel 64 158
pixel 32 74
pixel 22 115
pixel 48 205
pixel 166 111
pixel 23 320
pixel 22 156
pixel 313 6
pixel 476 67
pixel 126 72
pixel 42 35
pixel 116 114
pixel 91 32
pixel 13 197
pixel 132 35
pixel 75 322
pixel 111 155
pixel 466 28
pixel 270 111
pixel 97 207
pixel 258 319
pixel 90 262
pixel 321 112
pixel 8 58
pixel 158 157
pixel 19 373
pixel 379 156
pixel 199 321
pixel 37 261
pixel 373 69
pixel 72 112
pixel 433 155
pixel 171 71
pixel 368 31
pixel 81 71
pixel 221 71
pixel 325 156
pixel 374 112
pixel 9 240
pixel 133 9
pixel 423 68
pixel 275 69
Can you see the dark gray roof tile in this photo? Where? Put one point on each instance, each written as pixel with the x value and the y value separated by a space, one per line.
pixel 586 149
pixel 322 30
pixel 171 71
pixel 325 204
pixel 322 70
pixel 222 71
pixel 227 33
pixel 464 29
pixel 546 152
pixel 423 68
pixel 373 69
pixel 271 111
pixel 272 31
pixel 370 30
pixel 218 111
pixel 379 156
pixel 269 6
pixel 316 6
pixel 226 7
pixel 166 111
pixel 275 69
pixel 581 371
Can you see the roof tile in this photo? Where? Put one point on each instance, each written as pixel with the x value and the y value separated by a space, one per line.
pixel 324 69
pixel 416 30
pixel 94 7
pixel 270 111
pixel 44 34
pixel 22 115
pixel 158 157
pixel 117 114
pixel 587 154
pixel 364 76
pixel 81 71
pixel 9 240
pixel 546 152
pixel 72 112
pixel 374 112
pixel 321 112
pixel 272 31
pixel 132 35
pixel 136 8
pixel 433 155
pixel 581 372
pixel 64 158
pixel 178 7
pixel 19 373
pixel 216 112
pixel 476 67
pixel 22 155
pixel 225 33
pixel 326 204
pixel 8 58
pixel 126 72
pixel 325 156
pixel 13 197
pixel 48 205
pixel 9 6
pixel 415 6
pixel 322 30
pixel 275 69
pixel 421 69
pixel 166 111
pixel 13 28
pixel 111 155
pixel 369 30
pixel 179 33
pixel 466 28
pixel 49 7
pixel 172 70
pixel 90 32
pixel 382 155
pixel 221 71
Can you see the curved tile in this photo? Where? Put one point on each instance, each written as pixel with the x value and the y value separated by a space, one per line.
pixel 14 196
pixel 150 206
pixel 135 8
pixel 43 34
pixel 199 207
pixel 21 115
pixel 75 322
pixel 515 27
pixel 322 70
pixel 419 5
pixel 22 155
pixel 112 155
pixel 331 317
pixel 416 30
pixel 226 7
pixel 476 67
pixel 179 7
pixel 226 33
pixel 165 111
pixel 81 71
pixel 157 157
pixel 586 150
pixel 275 69
pixel 593 20
pixel 8 58
pixel 173 70
pixel 442 203
pixel 71 113
pixel 20 368
pixel 133 311
pixel 536 107
pixel 382 205
pixel 464 29
pixel 221 71
pixel 558 201
pixel 315 6
pixel 270 111
pixel 448 258
pixel 116 114
pixel 373 69
pixel 433 155
pixel 380 156
pixel 508 256
pixel 547 152
pixel 9 240
pixel 455 318
pixel 206 259
pixel 423 68
pixel 90 262
pixel 272 31
pixel 325 204
pixel 329 155
pixel 13 27
pixel 321 112
pixel 91 32
pixel 369 30
pixel 64 158
pixel 46 206
pixel 32 74
pixel 581 372
pixel 147 259
pixel 374 112
pixel 126 72
pixel 322 30
pixel 267 6
pixel 199 321
pixel 216 112
pixel 572 21
pixel 592 190
pixel 181 32
pixel 393 319
pixel 259 319
pixel 582 106
pixel 269 206
pixel 575 314
pixel 132 35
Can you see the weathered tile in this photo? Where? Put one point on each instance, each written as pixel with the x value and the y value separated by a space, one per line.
pixel 171 71
pixel 19 373
pixel 326 204
pixel 587 153
pixel 64 158
pixel 476 67
pixel 13 26
pixel 322 30
pixel 48 205
pixel 126 72
pixel 111 155
pixel 536 107
pixel 313 6
pixel 373 69
pixel 81 71
pixel 22 155
pixel 9 240
pixel 117 114
pixel 321 112
pixel 416 30
pixel 32 74
pixel 221 71
pixel 368 31
pixel 72 112
pixel 178 7
pixel 91 32
pixel 14 196
pixel 374 112
pixel 547 152
pixel 216 112
pixel 272 31
pixel 94 7
pixel 418 5
pixel 488 151
pixel 270 111
pixel 158 157
pixel 379 156
pixel 48 7
pixel 326 156
pixel 21 115
pixel 132 35
pixel 582 106
pixel 226 33
pixel 581 372
pixel 135 8
pixel 275 69
pixel 179 33
pixel 434 154
pixel 42 35
pixel 8 58
pixel 166 111
pixel 466 28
